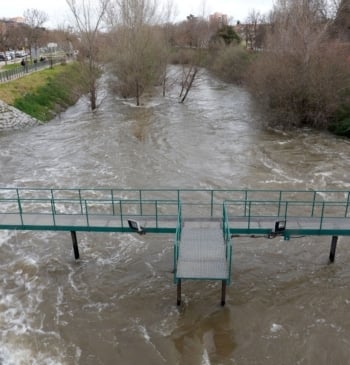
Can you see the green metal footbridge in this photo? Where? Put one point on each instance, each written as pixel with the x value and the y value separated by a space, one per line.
pixel 203 221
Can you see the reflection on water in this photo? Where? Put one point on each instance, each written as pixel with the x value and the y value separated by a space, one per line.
pixel 117 304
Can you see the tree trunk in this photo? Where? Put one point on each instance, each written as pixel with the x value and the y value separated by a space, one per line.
pixel 188 88
pixel 93 96
pixel 137 93
pixel 185 82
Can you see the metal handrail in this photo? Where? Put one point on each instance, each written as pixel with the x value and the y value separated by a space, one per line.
pixel 212 198
pixel 88 208
pixel 150 202
pixel 248 205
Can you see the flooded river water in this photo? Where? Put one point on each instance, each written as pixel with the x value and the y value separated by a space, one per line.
pixel 117 304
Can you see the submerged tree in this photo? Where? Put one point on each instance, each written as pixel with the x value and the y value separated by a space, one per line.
pixel 302 75
pixel 138 50
pixel 194 36
pixel 89 16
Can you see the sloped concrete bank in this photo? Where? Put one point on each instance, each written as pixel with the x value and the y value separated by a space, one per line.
pixel 12 118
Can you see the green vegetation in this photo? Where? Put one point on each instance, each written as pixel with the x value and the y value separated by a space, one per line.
pixel 341 126
pixel 45 93
pixel 228 35
pixel 10 66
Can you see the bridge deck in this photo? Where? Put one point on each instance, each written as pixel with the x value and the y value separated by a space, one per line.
pixel 202 252
pixel 81 222
pixel 110 223
pixel 305 225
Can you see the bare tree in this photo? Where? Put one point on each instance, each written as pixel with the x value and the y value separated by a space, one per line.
pixel 138 58
pixel 251 29
pixel 194 36
pixel 34 19
pixel 302 77
pixel 88 16
pixel 341 26
pixel 4 37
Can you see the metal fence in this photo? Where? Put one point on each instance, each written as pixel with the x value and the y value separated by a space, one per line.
pixel 20 71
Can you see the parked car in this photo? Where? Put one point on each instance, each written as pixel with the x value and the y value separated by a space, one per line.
pixel 10 54
pixel 20 54
pixel 4 57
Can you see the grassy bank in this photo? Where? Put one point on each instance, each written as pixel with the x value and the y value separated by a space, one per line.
pixel 45 93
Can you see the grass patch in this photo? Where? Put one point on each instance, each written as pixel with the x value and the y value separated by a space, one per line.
pixel 10 66
pixel 45 93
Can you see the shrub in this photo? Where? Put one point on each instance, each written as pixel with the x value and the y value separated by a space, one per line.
pixel 230 63
pixel 302 90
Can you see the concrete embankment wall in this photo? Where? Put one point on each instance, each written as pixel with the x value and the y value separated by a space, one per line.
pixel 12 118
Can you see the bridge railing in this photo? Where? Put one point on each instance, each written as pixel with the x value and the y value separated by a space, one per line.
pixel 313 214
pixel 195 202
pixel 210 199
pixel 91 212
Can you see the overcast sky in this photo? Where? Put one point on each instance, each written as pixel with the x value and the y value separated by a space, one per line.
pixel 57 10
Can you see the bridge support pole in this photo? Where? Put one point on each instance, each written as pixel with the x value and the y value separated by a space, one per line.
pixel 333 248
pixel 178 301
pixel 75 244
pixel 223 292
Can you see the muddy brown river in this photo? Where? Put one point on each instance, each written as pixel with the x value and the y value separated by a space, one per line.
pixel 117 304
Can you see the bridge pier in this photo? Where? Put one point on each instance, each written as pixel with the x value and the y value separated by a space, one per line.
pixel 223 292
pixel 178 301
pixel 333 248
pixel 75 244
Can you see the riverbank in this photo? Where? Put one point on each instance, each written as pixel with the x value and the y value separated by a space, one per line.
pixel 42 95
pixel 12 118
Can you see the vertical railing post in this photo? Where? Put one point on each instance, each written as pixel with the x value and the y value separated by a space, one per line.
pixel 112 195
pixel 87 213
pixel 140 197
pixel 286 211
pixel 53 210
pixel 313 204
pixel 212 203
pixel 249 211
pixel 175 259
pixel 156 203
pixel 230 264
pixel 121 213
pixel 53 201
pixel 347 205
pixel 279 204
pixel 322 212
pixel 19 206
pixel 81 203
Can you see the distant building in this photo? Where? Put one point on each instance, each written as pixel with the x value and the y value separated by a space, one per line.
pixel 218 19
pixel 17 19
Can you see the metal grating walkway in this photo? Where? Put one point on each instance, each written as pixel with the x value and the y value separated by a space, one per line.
pixel 202 252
